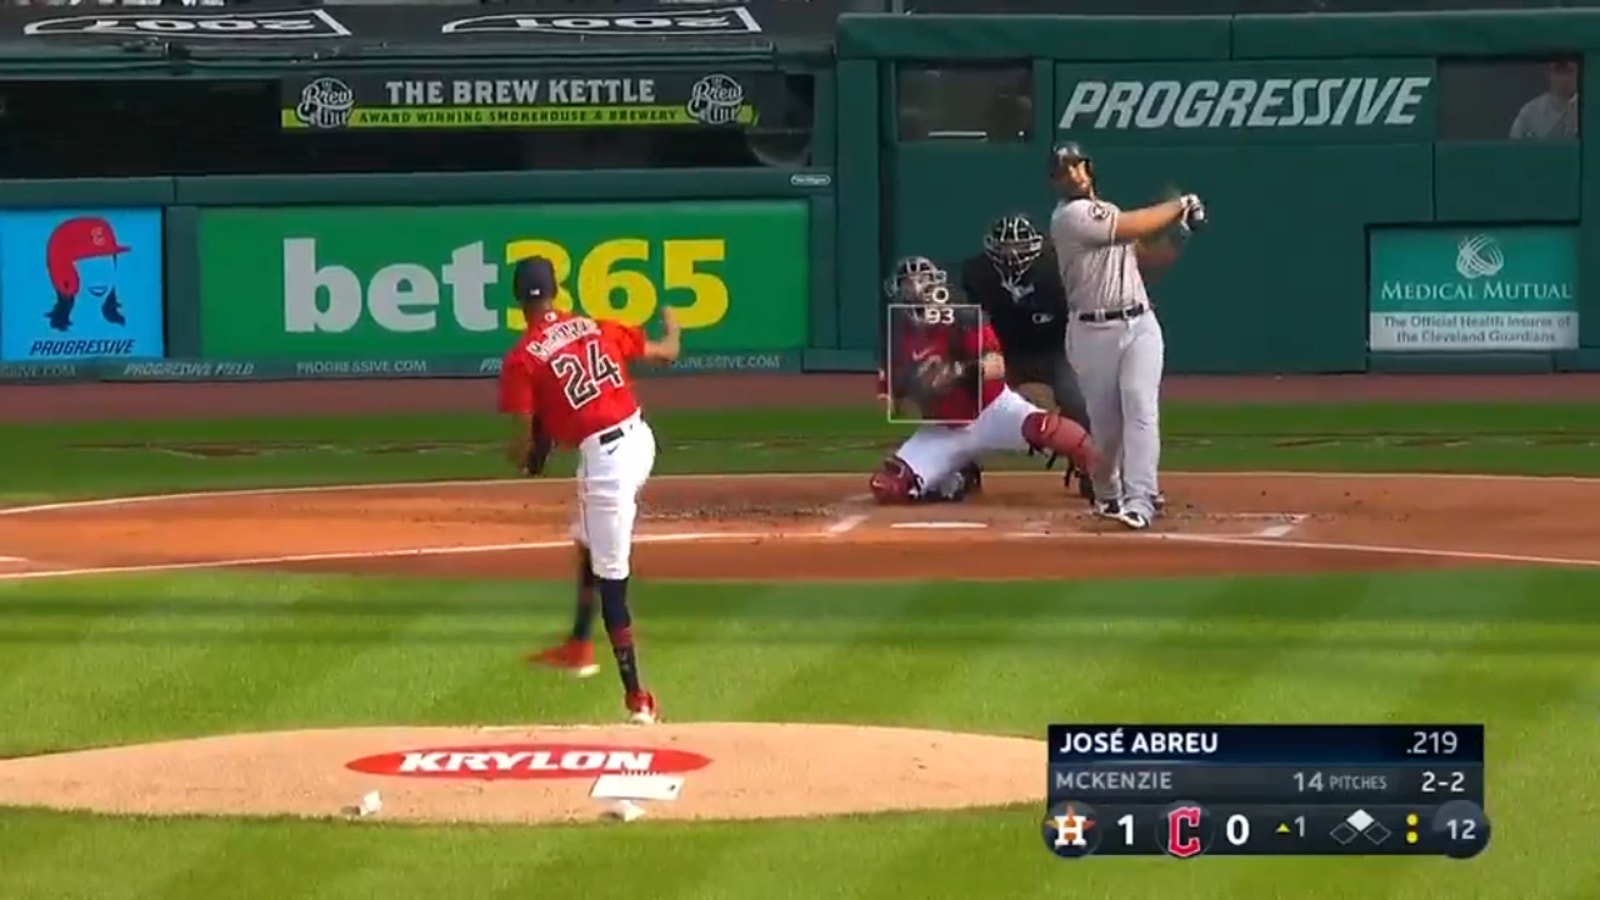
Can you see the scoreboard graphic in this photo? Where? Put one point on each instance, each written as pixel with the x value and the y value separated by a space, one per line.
pixel 1187 791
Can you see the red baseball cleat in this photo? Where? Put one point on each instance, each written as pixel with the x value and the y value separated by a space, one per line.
pixel 642 708
pixel 574 656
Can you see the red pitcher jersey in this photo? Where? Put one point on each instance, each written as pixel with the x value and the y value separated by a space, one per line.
pixel 958 403
pixel 571 372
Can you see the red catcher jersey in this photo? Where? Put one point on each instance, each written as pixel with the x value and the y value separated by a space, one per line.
pixel 571 372
pixel 958 403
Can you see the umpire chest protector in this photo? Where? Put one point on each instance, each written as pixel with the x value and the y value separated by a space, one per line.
pixel 1029 313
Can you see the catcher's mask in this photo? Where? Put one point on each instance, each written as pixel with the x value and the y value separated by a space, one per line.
pixel 918 280
pixel 1013 245
pixel 1064 157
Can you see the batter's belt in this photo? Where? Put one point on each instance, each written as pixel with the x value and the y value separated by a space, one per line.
pixel 1119 314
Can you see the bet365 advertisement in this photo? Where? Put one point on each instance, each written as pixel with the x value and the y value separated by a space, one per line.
pixel 80 284
pixel 349 283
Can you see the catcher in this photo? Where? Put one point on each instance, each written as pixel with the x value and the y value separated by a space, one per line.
pixel 950 366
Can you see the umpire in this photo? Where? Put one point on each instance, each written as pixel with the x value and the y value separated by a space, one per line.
pixel 1018 283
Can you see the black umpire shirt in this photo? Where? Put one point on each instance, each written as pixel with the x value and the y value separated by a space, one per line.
pixel 1030 315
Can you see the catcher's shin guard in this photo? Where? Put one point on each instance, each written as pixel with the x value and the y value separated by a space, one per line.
pixel 1051 432
pixel 894 482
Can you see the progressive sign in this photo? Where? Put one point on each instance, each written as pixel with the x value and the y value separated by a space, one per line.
pixel 1364 100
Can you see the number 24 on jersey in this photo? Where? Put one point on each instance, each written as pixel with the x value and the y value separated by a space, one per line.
pixel 585 372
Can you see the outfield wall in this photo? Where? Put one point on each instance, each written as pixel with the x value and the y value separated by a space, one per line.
pixel 1370 213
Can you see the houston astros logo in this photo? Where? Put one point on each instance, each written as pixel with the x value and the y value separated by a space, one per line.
pixel 1479 256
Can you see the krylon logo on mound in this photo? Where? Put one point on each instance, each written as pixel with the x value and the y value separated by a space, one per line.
pixel 1378 95
pixel 1509 289
pixel 524 762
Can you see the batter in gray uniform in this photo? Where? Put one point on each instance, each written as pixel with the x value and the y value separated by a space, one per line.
pixel 1113 339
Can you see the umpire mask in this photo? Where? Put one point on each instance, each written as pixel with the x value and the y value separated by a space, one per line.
pixel 1013 245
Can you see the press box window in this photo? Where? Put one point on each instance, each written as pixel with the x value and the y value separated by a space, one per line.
pixel 983 103
pixel 1509 99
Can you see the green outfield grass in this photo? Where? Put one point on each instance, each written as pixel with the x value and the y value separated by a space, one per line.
pixel 94 661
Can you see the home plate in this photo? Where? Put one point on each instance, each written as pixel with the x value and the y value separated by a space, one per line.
pixel 932 526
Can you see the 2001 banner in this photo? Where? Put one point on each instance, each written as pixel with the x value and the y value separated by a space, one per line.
pixel 352 283
pixel 514 100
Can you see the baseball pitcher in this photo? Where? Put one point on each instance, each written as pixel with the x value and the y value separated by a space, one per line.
pixel 566 379
pixel 1114 340
pixel 1016 283
pixel 951 366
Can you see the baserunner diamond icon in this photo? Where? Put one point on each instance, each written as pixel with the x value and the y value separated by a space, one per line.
pixel 1360 820
pixel 1377 833
pixel 1343 833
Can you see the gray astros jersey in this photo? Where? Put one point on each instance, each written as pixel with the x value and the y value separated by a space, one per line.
pixel 1097 273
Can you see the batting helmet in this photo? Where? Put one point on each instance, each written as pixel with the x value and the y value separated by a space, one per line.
pixel 77 239
pixel 1066 155
pixel 1013 244
pixel 917 279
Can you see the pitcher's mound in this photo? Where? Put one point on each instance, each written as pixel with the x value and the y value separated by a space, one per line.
pixel 539 773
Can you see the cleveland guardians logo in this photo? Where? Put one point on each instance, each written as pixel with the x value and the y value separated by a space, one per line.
pixel 81 257
pixel 1187 830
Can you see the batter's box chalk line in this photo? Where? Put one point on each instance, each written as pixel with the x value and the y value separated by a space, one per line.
pixel 939 526
pixel 844 524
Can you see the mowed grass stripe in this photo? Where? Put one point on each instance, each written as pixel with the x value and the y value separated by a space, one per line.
pixel 750 654
pixel 246 857
pixel 1359 668
pixel 426 653
pixel 288 632
pixel 1542 731
pixel 480 862
pixel 773 653
pixel 881 857
pixel 108 683
pixel 1166 651
pixel 197 654
pixel 1134 651
pixel 705 650
pixel 57 855
pixel 1083 652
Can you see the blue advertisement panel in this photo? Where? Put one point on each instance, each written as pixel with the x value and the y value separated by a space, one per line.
pixel 81 284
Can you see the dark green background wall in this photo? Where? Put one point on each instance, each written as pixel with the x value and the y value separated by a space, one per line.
pixel 1279 284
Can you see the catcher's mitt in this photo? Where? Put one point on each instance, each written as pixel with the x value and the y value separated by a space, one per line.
pixel 934 377
pixel 539 447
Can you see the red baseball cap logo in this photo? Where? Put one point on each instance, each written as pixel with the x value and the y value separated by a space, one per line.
pixel 84 237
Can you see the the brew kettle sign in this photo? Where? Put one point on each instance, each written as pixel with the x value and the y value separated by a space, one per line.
pixel 715 100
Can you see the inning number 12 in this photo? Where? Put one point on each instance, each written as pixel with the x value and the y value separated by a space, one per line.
pixel 583 373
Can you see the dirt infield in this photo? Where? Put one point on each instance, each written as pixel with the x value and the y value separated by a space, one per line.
pixel 534 774
pixel 800 527
pixel 723 527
